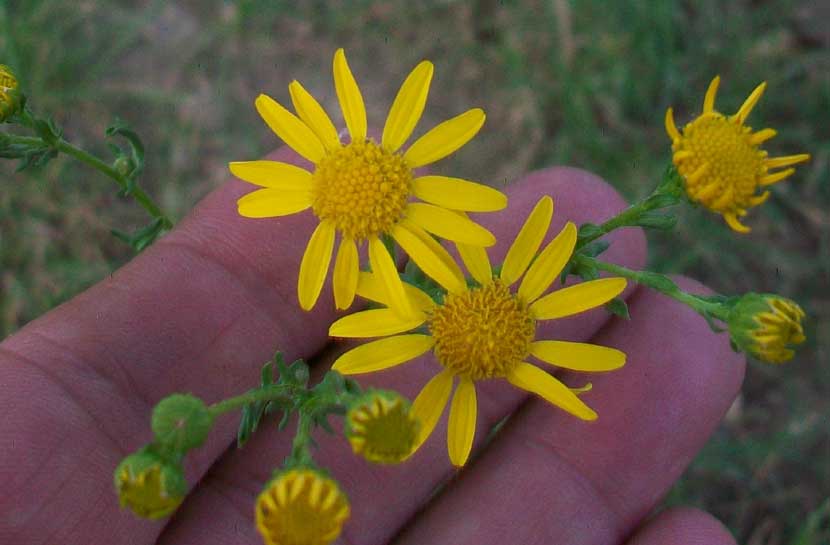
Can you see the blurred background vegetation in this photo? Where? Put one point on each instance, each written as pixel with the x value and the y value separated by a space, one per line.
pixel 579 82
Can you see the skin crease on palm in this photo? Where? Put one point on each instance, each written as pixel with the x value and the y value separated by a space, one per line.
pixel 202 309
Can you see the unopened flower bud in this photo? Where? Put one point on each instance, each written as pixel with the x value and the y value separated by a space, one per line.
pixel 9 95
pixel 149 485
pixel 181 422
pixel 301 506
pixel 381 427
pixel 766 326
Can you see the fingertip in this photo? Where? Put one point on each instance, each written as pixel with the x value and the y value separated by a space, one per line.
pixel 683 526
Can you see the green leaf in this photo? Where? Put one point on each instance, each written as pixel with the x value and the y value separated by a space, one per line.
pixel 656 220
pixel 588 230
pixel 136 149
pixel 143 237
pixel 618 307
pixel 595 248
pixel 658 281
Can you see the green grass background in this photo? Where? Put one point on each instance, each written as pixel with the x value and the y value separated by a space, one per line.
pixel 583 83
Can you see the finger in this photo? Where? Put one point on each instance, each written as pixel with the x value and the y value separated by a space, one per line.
pixel 384 498
pixel 567 481
pixel 683 526
pixel 199 312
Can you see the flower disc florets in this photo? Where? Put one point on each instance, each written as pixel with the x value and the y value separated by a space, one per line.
pixel 301 507
pixel 728 165
pixel 482 332
pixel 362 188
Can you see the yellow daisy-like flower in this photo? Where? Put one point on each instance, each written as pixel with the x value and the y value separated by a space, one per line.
pixel 487 331
pixel 363 189
pixel 766 326
pixel 381 428
pixel 721 160
pixel 149 486
pixel 301 507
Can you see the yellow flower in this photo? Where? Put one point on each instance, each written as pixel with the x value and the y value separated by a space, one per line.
pixel 301 507
pixel 381 427
pixel 149 486
pixel 362 190
pixel 766 325
pixel 486 331
pixel 8 92
pixel 721 160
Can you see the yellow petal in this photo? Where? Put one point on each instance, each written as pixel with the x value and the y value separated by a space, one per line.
pixel 351 101
pixel 346 270
pixel 407 108
pixel 462 424
pixel 387 272
pixel 776 177
pixel 578 298
pixel 786 160
pixel 750 102
pixel 430 403
pixel 379 322
pixel 313 114
pixel 762 136
pixel 382 354
pixel 527 242
pixel 733 222
pixel 444 138
pixel 532 379
pixel 549 264
pixel 449 225
pixel 578 356
pixel 458 194
pixel 369 286
pixel 290 128
pixel 315 264
pixel 272 174
pixel 477 262
pixel 269 203
pixel 430 256
pixel 711 92
pixel 671 128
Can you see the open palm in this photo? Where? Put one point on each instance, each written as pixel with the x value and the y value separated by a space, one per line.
pixel 202 309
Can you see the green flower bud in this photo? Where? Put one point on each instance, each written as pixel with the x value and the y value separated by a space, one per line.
pixel 124 165
pixel 9 95
pixel 381 427
pixel 766 326
pixel 150 486
pixel 181 422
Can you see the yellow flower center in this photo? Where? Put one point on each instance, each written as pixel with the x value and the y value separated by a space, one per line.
pixel 721 165
pixel 301 507
pixel 382 430
pixel 483 332
pixel 362 188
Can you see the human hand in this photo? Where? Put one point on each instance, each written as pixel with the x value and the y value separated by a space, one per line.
pixel 205 306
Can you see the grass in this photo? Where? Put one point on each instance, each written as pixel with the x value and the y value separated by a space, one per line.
pixel 560 84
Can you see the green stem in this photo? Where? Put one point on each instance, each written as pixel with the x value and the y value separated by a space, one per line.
pixel 666 194
pixel 65 147
pixel 276 392
pixel 301 446
pixel 664 285
pixel 138 194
